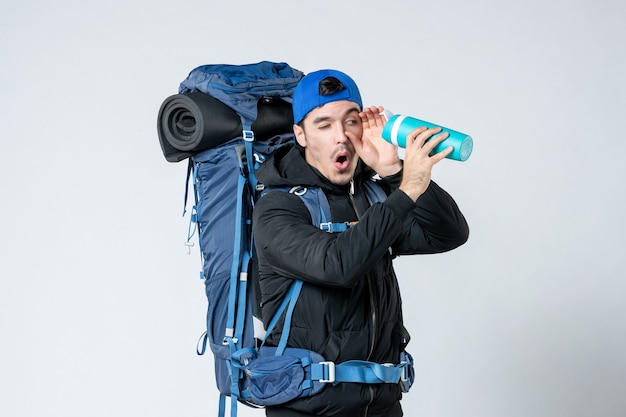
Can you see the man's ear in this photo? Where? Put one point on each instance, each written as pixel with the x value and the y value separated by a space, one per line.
pixel 300 136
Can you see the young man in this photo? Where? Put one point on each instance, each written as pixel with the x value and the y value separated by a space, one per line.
pixel 350 306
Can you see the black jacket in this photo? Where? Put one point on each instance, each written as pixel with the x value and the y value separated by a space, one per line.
pixel 350 306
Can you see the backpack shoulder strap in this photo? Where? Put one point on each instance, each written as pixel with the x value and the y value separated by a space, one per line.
pixel 374 192
pixel 315 200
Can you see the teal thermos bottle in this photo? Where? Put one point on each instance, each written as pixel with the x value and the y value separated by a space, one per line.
pixel 399 126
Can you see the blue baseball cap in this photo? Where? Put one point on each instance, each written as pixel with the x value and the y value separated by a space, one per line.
pixel 306 96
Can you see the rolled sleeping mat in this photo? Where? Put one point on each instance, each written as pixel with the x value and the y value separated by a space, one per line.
pixel 192 122
pixel 189 123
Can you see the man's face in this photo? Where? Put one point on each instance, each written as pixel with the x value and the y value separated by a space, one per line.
pixel 323 135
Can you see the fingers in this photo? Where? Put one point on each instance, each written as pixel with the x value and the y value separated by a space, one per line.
pixel 372 116
pixel 427 140
pixel 424 136
pixel 441 155
pixel 418 136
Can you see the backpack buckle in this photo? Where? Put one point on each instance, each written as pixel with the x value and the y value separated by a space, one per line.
pixel 327 227
pixel 328 369
pixel 336 227
pixel 248 135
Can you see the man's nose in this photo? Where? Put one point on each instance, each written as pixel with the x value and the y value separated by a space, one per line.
pixel 340 134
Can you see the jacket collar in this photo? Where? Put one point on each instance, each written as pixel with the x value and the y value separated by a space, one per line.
pixel 287 168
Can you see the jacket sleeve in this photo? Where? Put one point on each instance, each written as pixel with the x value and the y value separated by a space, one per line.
pixel 292 247
pixel 435 223
pixel 288 244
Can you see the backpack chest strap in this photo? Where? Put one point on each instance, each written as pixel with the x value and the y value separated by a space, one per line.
pixel 331 227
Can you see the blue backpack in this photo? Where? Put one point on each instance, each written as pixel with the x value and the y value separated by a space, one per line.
pixel 227 119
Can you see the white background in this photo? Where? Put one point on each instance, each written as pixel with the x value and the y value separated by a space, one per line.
pixel 100 305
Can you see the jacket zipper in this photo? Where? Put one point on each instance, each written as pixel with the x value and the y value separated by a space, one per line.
pixel 372 304
pixel 369 282
pixel 374 318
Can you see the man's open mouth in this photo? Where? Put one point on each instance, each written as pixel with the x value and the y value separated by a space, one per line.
pixel 342 161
